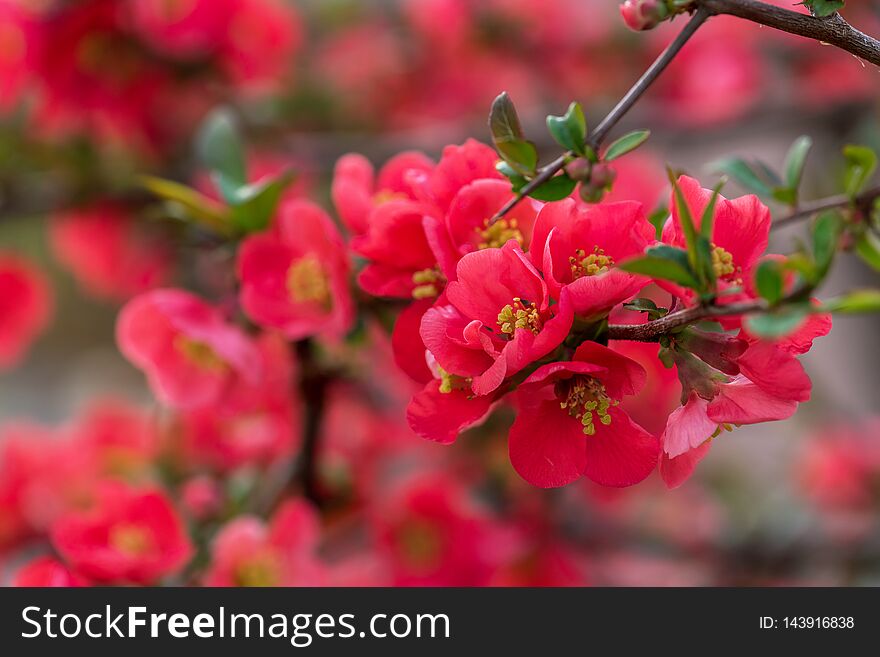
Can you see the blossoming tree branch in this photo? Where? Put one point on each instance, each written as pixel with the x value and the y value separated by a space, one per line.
pixel 511 283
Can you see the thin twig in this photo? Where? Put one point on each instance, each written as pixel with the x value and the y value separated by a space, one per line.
pixel 652 331
pixel 833 30
pixel 601 131
pixel 807 210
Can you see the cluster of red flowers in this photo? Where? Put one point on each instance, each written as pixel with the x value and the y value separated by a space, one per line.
pixel 138 73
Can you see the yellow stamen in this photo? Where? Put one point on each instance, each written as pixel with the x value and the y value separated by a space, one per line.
pixel 428 282
pixel 385 195
pixel 131 539
pixel 260 570
pixel 589 265
pixel 199 353
pixel 585 399
pixel 722 263
pixel 499 233
pixel 518 315
pixel 307 282
pixel 450 382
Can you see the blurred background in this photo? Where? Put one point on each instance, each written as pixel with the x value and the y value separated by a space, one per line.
pixel 95 92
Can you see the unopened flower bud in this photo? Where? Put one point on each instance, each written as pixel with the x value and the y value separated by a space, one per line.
pixel 644 14
pixel 600 182
pixel 579 169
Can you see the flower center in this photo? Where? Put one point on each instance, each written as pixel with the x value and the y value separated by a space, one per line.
pixel 520 314
pixel 307 282
pixel 420 543
pixel 132 540
pixel 450 382
pixel 199 353
pixel 585 399
pixel 499 233
pixel 428 283
pixel 722 263
pixel 385 195
pixel 583 264
pixel 260 570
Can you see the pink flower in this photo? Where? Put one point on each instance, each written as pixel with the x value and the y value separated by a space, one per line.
pixel 47 572
pixel 294 277
pixel 643 14
pixel 465 227
pixel 499 319
pixel 577 249
pixel 108 256
pixel 26 305
pixel 247 552
pixel 182 28
pixel 569 423
pixel 254 423
pixel 263 36
pixel 357 190
pixel 434 535
pixel 18 36
pixel 187 349
pixel 130 536
pixel 740 233
pixel 459 166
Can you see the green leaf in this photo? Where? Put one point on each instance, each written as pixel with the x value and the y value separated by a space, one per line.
pixel 658 219
pixel 255 204
pixel 196 206
pixel 626 144
pixel 508 136
pixel 555 189
pixel 826 235
pixel 220 149
pixel 707 221
pixel 779 323
pixel 642 305
pixel 861 162
pixel 517 180
pixel 769 281
pixel 794 162
pixel 823 8
pixel 868 248
pixel 699 254
pixel 742 172
pixel 570 129
pixel 666 263
pixel 858 301
pixel 785 195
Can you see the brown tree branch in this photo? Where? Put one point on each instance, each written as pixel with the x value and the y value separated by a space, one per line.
pixel 806 210
pixel 652 331
pixel 833 29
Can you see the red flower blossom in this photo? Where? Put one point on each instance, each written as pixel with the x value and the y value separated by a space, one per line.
pixel 569 423
pixel 47 572
pixel 26 305
pixel 357 190
pixel 108 256
pixel 577 249
pixel 182 28
pixel 294 276
pixel 188 351
pixel 246 552
pixel 500 319
pixel 740 233
pixel 129 536
pixel 254 423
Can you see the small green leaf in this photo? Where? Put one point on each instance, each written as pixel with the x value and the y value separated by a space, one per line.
pixel 666 263
pixel 794 162
pixel 861 162
pixel 868 248
pixel 555 189
pixel 570 129
pixel 658 219
pixel 826 235
pixel 823 8
pixel 196 206
pixel 858 301
pixel 626 144
pixel 742 172
pixel 517 180
pixel 220 149
pixel 785 195
pixel 707 221
pixel 642 305
pixel 699 255
pixel 508 136
pixel 779 323
pixel 769 281
pixel 255 204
